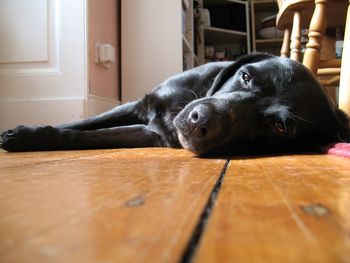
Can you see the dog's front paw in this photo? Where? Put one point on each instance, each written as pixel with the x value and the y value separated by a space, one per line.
pixel 27 138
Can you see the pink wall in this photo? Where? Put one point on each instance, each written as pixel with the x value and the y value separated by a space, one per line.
pixel 103 28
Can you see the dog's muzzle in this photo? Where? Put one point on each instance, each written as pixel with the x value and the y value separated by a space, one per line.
pixel 197 127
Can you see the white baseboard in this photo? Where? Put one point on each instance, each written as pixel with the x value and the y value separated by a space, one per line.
pixel 97 104
pixel 51 111
pixel 40 111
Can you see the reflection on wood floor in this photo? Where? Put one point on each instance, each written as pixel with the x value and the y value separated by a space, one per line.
pixel 166 205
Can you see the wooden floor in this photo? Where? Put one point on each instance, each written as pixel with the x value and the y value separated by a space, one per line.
pixel 165 205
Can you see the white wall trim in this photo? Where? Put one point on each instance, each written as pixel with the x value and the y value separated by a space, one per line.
pixel 96 104
pixel 52 111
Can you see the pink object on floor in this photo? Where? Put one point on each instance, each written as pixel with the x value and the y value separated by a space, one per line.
pixel 339 149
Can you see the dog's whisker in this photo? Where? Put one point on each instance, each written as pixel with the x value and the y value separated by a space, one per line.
pixel 176 109
pixel 193 93
pixel 184 101
pixel 174 112
pixel 293 117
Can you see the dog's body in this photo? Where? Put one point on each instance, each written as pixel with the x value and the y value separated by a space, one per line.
pixel 258 103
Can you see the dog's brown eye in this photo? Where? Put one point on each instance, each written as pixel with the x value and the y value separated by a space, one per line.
pixel 246 78
pixel 279 127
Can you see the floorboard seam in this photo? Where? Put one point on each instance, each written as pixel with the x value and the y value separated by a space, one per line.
pixel 198 231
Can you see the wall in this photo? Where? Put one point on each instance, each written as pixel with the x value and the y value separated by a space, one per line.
pixel 103 28
pixel 151 44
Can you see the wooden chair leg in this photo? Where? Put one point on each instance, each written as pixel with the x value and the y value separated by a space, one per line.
pixel 344 86
pixel 295 45
pixel 317 29
pixel 285 50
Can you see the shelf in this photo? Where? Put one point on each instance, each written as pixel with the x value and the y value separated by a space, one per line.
pixel 267 41
pixel 222 36
pixel 223 2
pixel 260 9
pixel 265 5
pixel 188 50
pixel 186 4
pixel 196 61
pixel 186 45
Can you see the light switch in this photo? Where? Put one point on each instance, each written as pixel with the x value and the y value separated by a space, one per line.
pixel 105 54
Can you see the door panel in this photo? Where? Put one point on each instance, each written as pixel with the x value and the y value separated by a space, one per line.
pixel 19 45
pixel 42 61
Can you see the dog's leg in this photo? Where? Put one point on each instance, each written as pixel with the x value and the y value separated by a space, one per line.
pixel 122 115
pixel 25 138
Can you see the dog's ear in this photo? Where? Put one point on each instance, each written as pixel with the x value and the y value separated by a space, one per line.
pixel 342 126
pixel 229 71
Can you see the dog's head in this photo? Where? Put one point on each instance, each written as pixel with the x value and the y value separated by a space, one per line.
pixel 262 102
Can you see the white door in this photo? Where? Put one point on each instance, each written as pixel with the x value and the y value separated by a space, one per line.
pixel 42 61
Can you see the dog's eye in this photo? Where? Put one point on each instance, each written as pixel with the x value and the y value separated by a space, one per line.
pixel 279 127
pixel 246 78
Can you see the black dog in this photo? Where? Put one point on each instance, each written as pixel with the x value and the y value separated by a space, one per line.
pixel 258 103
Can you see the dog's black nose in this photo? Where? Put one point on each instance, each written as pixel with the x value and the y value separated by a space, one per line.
pixel 198 121
pixel 194 116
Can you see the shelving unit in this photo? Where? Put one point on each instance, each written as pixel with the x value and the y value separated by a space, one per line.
pixel 222 36
pixel 190 58
pixel 182 44
pixel 224 39
pixel 260 9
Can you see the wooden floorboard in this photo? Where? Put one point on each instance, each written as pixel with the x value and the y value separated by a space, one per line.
pixel 128 205
pixel 166 205
pixel 31 158
pixel 281 209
